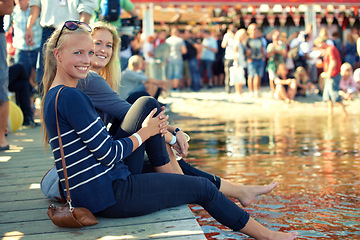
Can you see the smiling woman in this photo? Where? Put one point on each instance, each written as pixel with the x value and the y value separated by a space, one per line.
pixel 106 61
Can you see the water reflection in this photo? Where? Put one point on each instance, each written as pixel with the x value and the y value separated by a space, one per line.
pixel 315 159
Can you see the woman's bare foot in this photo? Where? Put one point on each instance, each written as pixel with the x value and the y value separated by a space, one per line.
pixel 245 193
pixel 256 230
pixel 283 235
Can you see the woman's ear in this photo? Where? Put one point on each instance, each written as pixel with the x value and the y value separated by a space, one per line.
pixel 56 54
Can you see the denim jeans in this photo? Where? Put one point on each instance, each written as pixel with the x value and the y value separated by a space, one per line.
pixel 142 194
pixel 195 74
pixel 155 146
pixel 40 63
pixel 27 58
pixel 4 76
pixel 331 89
pixel 206 65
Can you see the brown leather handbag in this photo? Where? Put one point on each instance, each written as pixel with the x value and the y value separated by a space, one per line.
pixel 67 215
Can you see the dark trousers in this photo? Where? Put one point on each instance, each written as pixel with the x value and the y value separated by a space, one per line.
pixel 155 146
pixel 142 194
pixel 135 165
pixel 20 85
pixel 227 64
pixel 46 33
pixel 195 74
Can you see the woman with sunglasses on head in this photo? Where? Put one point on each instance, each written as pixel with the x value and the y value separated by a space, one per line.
pixel 107 102
pixel 99 180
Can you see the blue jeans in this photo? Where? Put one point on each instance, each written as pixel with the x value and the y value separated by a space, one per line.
pixel 142 194
pixel 174 69
pixel 194 73
pixel 46 33
pixel 331 89
pixel 206 64
pixel 155 146
pixel 256 67
pixel 27 58
pixel 4 75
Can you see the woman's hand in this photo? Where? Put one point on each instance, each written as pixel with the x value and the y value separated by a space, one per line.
pixel 181 146
pixel 156 125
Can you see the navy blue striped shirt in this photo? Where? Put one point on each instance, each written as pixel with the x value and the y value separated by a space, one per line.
pixel 93 158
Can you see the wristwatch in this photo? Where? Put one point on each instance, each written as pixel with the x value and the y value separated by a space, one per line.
pixel 176 130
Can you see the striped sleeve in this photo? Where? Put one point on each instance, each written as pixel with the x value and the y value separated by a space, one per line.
pixel 92 132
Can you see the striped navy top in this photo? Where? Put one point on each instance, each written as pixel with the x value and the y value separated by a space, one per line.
pixel 93 157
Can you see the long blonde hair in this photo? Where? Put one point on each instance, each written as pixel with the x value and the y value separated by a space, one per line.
pixel 50 63
pixel 111 72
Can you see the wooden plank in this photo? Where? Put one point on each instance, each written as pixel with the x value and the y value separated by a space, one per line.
pixel 155 230
pixel 16 196
pixel 20 181
pixel 40 214
pixel 40 203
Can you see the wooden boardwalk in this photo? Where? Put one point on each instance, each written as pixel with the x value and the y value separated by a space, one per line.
pixel 23 206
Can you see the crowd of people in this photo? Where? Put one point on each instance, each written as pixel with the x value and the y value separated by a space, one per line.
pixel 256 58
pixel 297 65
pixel 106 166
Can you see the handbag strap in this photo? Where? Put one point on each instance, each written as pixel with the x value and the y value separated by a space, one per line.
pixel 68 198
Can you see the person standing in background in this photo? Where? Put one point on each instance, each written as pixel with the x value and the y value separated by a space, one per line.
pixel 25 54
pixel 192 49
pixel 228 43
pixel 175 65
pixel 255 54
pixel 209 50
pixel 332 68
pixel 6 8
pixel 276 53
pixel 54 13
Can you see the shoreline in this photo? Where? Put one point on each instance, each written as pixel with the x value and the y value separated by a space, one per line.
pixel 214 103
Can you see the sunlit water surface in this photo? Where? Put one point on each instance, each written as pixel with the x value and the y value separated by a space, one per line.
pixel 316 160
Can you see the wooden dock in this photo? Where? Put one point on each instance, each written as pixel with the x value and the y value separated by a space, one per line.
pixel 23 206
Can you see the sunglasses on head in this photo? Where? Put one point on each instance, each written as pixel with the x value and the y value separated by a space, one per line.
pixel 72 26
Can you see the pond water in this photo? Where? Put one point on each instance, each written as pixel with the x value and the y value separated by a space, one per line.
pixel 316 160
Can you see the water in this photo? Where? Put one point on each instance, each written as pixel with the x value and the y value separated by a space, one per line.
pixel 316 160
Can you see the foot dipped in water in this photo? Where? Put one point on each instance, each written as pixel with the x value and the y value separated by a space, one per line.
pixel 259 232
pixel 245 193
pixel 283 235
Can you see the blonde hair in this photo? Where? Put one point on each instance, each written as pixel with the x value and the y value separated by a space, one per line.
pixel 344 67
pixel 50 63
pixel 135 61
pixel 111 72
pixel 240 35
pixel 350 38
pixel 301 75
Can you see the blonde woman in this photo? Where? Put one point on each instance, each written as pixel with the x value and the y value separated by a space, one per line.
pixel 348 86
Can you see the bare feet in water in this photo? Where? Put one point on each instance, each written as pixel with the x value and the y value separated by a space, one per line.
pixel 245 193
pixel 283 235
